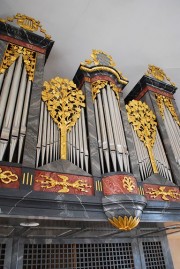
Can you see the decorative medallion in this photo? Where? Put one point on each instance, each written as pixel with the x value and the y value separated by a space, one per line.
pixel 64 102
pixel 98 85
pixel 144 123
pixel 165 101
pixel 125 223
pixel 63 183
pixel 158 73
pixel 13 52
pixel 27 23
pixel 165 193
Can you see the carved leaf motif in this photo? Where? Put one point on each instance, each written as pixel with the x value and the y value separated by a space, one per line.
pixel 128 184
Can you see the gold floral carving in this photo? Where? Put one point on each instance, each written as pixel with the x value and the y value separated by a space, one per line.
pixel 49 183
pixel 144 123
pixel 13 52
pixel 98 85
pixel 125 223
pixel 158 73
pixel 163 193
pixel 27 23
pixel 64 102
pixel 165 101
pixel 128 184
pixel 7 177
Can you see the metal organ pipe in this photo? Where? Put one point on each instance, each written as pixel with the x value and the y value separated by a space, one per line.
pixel 78 152
pixel 99 135
pixel 110 132
pixel 18 114
pixel 7 114
pixel 5 91
pixel 103 133
pixel 144 160
pixel 48 145
pixel 1 81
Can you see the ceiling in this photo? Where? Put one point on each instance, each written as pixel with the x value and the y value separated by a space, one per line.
pixel 134 32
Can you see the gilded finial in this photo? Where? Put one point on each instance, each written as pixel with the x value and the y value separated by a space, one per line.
pixel 27 23
pixel 101 61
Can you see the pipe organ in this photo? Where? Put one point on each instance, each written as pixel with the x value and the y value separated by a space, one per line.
pixel 17 73
pixel 111 138
pixel 78 152
pixel 171 122
pixel 48 143
pixel 148 144
pixel 158 95
pixel 75 151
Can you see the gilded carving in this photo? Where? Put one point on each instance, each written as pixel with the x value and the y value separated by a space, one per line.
pixel 49 183
pixel 120 79
pixel 13 52
pixel 27 23
pixel 128 184
pixel 7 177
pixel 144 123
pixel 94 60
pixel 64 102
pixel 125 223
pixel 165 101
pixel 98 85
pixel 163 192
pixel 158 73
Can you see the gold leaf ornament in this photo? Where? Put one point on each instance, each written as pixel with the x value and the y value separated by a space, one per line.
pixel 144 123
pixel 13 52
pixel 27 23
pixel 124 223
pixel 128 184
pixel 165 101
pixel 7 176
pixel 64 102
pixel 158 73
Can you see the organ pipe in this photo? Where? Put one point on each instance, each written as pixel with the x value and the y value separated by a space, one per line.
pixel 110 132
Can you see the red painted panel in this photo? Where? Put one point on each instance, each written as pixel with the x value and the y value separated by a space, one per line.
pixel 114 185
pixel 10 175
pixel 42 176
pixel 161 193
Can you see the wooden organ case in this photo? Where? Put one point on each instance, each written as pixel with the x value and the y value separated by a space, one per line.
pixel 87 179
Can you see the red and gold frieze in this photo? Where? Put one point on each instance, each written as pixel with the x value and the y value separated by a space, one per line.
pixel 119 184
pixel 63 183
pixel 161 193
pixel 153 89
pixel 9 177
